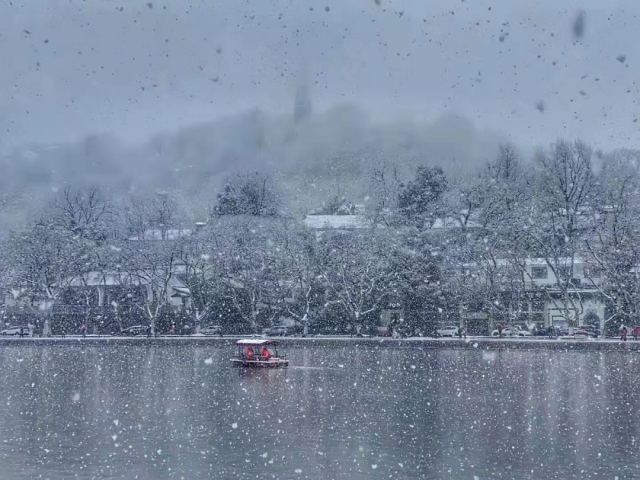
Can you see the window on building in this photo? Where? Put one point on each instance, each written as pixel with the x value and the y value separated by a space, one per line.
pixel 538 273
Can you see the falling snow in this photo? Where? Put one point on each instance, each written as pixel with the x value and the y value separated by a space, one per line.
pixel 424 214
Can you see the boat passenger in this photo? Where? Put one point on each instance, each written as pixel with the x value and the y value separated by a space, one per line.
pixel 265 353
pixel 249 352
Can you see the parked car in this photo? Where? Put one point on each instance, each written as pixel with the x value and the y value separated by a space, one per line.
pixel 281 331
pixel 578 332
pixel 593 330
pixel 134 330
pixel 15 331
pixel 383 331
pixel 522 332
pixel 211 330
pixel 583 333
pixel 512 331
pixel 449 331
pixel 549 332
pixel 275 331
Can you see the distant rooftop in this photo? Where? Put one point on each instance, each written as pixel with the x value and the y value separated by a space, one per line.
pixel 453 222
pixel 336 222
pixel 97 278
pixel 158 234
pixel 530 261
pixel 256 341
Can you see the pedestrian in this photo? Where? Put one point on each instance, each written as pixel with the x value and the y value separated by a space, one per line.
pixel 460 333
pixel 635 331
pixel 623 334
pixel 172 330
pixel 21 332
pixel 83 329
pixel 149 331
pixel 499 329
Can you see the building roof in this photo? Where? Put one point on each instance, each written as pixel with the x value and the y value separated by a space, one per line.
pixel 181 292
pixel 256 341
pixel 453 223
pixel 338 222
pixel 103 278
pixel 529 262
pixel 96 278
pixel 170 234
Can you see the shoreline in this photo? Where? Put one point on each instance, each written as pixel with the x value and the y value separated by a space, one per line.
pixel 481 343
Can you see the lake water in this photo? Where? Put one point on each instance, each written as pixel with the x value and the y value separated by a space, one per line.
pixel 339 412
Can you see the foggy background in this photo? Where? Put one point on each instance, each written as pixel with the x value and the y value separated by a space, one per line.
pixel 180 95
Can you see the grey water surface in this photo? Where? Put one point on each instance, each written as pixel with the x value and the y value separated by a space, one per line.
pixel 155 412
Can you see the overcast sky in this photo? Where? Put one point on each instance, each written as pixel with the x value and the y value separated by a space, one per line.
pixel 72 67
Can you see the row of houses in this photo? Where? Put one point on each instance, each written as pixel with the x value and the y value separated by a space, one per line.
pixel 104 301
pixel 561 297
pixel 538 300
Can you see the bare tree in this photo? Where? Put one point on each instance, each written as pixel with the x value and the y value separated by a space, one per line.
pixel 150 267
pixel 151 254
pixel 384 185
pixel 558 217
pixel 42 260
pixel 613 248
pixel 486 249
pixel 300 280
pixel 90 219
pixel 356 271
pixel 200 274
pixel 85 213
pixel 245 257
pixel 153 217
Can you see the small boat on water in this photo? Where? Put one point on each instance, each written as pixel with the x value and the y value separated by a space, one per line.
pixel 259 353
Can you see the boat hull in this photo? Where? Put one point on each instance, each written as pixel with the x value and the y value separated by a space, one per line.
pixel 273 363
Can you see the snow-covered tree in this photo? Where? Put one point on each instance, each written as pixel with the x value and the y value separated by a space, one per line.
pixel 42 261
pixel 244 255
pixel 487 250
pixel 384 186
pixel 613 247
pixel 420 201
pixel 154 216
pixel 84 213
pixel 249 194
pixel 357 272
pixel 200 273
pixel 558 218
pixel 147 270
pixel 300 280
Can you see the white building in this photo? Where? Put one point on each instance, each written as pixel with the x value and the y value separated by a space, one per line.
pixel 558 293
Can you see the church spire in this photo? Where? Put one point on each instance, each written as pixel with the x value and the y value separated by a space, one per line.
pixel 302 107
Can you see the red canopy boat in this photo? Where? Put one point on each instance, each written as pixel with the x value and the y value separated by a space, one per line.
pixel 259 353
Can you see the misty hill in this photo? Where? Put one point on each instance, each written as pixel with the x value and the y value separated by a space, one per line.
pixel 327 151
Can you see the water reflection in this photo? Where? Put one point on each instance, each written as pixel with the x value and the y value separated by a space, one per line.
pixel 173 412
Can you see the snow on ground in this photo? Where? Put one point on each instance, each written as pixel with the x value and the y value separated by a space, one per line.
pixel 337 338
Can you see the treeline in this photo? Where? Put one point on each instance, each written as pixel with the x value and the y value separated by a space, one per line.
pixel 431 248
